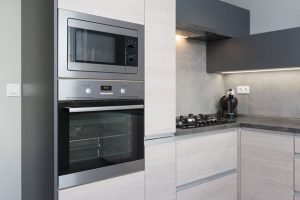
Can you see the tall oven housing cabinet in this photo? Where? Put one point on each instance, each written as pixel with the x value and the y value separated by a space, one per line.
pixel 100 99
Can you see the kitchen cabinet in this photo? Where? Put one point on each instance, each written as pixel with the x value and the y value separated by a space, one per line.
pixel 297 173
pixel 220 189
pixel 277 49
pixel 213 16
pixel 266 165
pixel 125 10
pixel 297 144
pixel 160 68
pixel 160 176
pixel 204 155
pixel 297 165
pixel 128 187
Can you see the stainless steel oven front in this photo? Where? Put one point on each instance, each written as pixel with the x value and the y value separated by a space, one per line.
pixel 100 48
pixel 100 130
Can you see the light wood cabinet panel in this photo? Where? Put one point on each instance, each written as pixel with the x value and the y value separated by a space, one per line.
pixel 297 197
pixel 160 68
pixel 297 173
pixel 125 10
pixel 224 188
pixel 128 187
pixel 266 165
pixel 160 175
pixel 206 155
pixel 297 144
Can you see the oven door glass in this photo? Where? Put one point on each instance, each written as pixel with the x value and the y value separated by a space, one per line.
pixel 98 139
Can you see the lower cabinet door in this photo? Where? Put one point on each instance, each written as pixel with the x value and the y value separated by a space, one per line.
pixel 128 187
pixel 297 174
pixel 267 167
pixel 160 175
pixel 224 188
pixel 202 156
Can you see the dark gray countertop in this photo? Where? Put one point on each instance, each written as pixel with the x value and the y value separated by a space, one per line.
pixel 290 125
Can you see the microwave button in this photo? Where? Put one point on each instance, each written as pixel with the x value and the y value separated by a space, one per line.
pixel 131 58
pixel 88 91
pixel 131 44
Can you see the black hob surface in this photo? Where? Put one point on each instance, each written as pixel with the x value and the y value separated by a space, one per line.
pixel 200 120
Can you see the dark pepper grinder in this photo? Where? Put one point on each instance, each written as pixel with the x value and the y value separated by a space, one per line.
pixel 229 102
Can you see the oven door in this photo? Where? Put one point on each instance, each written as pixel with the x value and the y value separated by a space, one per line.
pixel 99 141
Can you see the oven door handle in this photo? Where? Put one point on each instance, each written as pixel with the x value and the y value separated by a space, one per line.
pixel 104 108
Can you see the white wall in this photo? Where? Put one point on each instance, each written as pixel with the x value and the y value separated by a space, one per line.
pixel 270 15
pixel 10 107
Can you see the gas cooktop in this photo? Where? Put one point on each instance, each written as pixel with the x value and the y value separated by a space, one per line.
pixel 200 120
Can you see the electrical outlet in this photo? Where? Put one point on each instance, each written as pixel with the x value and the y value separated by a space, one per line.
pixel 243 89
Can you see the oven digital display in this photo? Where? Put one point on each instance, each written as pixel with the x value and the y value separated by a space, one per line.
pixel 106 87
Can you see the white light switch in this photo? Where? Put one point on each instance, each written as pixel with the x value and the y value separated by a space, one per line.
pixel 243 89
pixel 13 90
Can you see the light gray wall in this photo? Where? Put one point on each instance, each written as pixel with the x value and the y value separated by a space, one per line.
pixel 196 90
pixel 270 15
pixel 10 107
pixel 272 93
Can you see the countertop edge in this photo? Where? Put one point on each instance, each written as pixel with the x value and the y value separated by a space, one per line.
pixel 269 127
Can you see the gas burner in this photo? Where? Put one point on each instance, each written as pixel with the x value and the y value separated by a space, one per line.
pixel 200 120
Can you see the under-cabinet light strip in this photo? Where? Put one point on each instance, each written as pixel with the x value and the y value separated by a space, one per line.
pixel 261 70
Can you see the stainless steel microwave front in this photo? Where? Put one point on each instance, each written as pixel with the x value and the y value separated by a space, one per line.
pixel 93 47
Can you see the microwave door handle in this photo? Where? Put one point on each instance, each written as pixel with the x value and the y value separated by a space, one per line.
pixel 104 108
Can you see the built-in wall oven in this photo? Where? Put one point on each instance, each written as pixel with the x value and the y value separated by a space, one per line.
pixel 100 130
pixel 96 47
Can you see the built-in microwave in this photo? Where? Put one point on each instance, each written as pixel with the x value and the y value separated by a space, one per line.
pixel 100 48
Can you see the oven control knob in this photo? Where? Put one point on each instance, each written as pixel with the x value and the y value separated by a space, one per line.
pixel 88 91
pixel 123 91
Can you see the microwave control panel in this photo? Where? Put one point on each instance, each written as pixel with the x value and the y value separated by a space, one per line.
pixel 69 89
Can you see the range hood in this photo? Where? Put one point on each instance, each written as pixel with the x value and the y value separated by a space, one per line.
pixel 198 33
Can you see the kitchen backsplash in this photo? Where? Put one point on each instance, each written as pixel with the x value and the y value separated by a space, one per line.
pixel 197 91
pixel 271 93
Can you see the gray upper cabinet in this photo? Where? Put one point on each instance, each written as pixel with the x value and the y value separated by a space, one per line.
pixel 277 49
pixel 213 16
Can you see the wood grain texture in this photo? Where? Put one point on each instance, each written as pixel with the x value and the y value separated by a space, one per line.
pixel 128 187
pixel 224 188
pixel 297 144
pixel 125 10
pixel 160 67
pixel 203 156
pixel 266 166
pixel 297 197
pixel 160 174
pixel 297 174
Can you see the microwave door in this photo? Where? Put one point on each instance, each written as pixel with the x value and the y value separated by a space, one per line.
pixel 96 47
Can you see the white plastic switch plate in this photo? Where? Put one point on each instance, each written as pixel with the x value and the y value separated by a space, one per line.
pixel 13 90
pixel 243 89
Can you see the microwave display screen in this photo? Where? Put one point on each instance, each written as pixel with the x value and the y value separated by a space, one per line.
pixel 106 87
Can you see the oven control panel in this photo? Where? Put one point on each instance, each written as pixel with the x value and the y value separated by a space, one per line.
pixel 70 89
